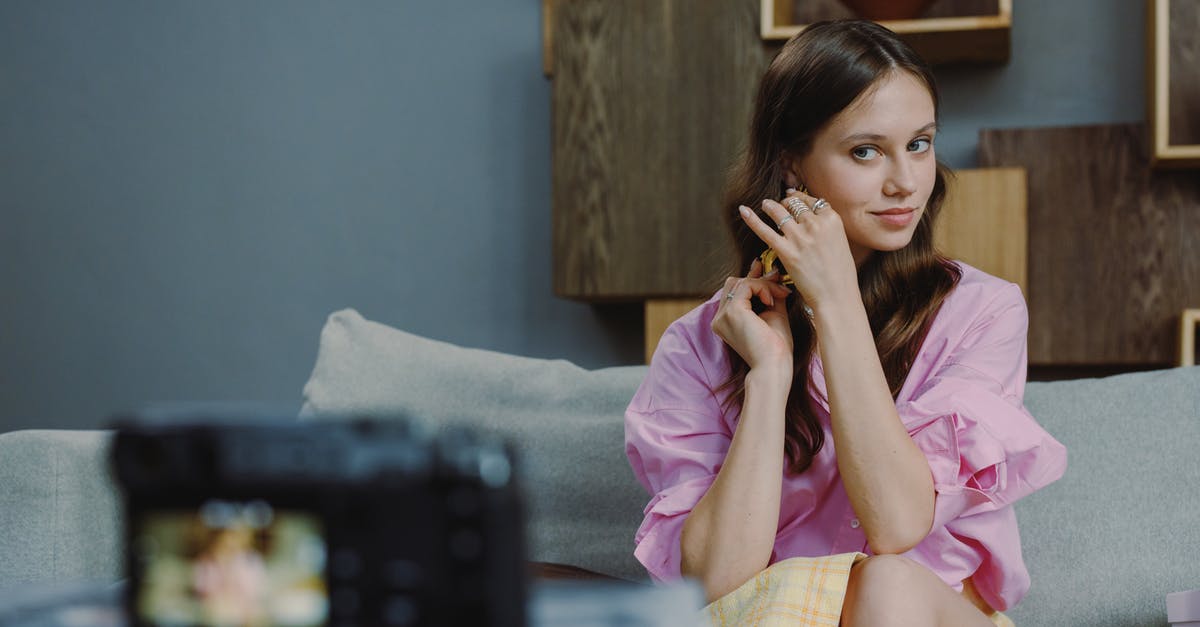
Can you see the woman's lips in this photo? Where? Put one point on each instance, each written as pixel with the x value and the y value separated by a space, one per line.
pixel 896 217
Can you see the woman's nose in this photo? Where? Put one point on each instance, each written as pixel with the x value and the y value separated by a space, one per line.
pixel 900 181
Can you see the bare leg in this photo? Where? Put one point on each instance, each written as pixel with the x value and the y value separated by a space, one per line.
pixel 894 591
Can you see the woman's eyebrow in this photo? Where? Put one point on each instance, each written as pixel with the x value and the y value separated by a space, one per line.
pixel 877 137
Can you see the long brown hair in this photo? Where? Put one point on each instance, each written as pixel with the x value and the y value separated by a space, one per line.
pixel 816 75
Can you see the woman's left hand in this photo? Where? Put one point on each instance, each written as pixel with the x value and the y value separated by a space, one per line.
pixel 812 247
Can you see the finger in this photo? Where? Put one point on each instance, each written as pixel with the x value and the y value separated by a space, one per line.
pixel 781 291
pixel 777 211
pixel 809 200
pixel 780 307
pixel 764 291
pixel 756 269
pixel 765 232
pixel 779 318
pixel 735 293
pixel 797 205
pixel 728 291
pixel 774 285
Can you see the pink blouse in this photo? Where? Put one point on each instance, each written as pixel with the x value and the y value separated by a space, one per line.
pixel 962 405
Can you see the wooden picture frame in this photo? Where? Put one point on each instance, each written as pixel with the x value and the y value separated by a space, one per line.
pixel 959 38
pixel 1189 322
pixel 1173 87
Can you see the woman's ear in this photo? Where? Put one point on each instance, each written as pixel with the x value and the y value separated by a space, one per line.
pixel 794 182
pixel 791 169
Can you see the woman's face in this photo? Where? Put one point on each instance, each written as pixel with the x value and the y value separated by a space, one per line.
pixel 874 163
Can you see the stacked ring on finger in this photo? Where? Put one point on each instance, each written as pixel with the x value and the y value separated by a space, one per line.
pixel 796 206
pixel 820 204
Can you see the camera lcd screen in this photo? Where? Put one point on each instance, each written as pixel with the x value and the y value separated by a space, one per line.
pixel 230 563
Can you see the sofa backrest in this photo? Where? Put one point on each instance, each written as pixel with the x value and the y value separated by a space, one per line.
pixel 1121 529
pixel 582 501
pixel 60 516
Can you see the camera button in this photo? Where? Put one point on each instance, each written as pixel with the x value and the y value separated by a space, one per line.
pixel 403 574
pixel 345 564
pixel 466 544
pixel 400 611
pixel 345 601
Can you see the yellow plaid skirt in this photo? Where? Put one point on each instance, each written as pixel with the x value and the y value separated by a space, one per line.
pixel 797 592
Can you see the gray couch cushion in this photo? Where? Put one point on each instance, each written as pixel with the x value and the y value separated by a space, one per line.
pixel 1121 529
pixel 583 503
pixel 58 509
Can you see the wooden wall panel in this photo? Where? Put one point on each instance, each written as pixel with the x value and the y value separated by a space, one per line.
pixel 1113 243
pixel 651 101
pixel 660 313
pixel 983 222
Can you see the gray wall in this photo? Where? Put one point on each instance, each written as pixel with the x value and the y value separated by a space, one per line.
pixel 1074 62
pixel 187 189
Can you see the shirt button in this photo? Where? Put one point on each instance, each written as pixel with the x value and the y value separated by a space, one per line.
pixel 854 524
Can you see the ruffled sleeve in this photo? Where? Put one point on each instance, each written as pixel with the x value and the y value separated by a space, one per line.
pixel 676 439
pixel 985 450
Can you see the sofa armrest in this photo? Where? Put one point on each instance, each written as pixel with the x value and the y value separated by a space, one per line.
pixel 60 517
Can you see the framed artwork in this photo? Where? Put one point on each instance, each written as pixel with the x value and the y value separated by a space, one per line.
pixel 1173 37
pixel 942 31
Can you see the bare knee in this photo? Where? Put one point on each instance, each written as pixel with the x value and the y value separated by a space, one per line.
pixel 887 591
pixel 894 591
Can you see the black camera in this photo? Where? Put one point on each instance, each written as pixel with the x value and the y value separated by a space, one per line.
pixel 305 523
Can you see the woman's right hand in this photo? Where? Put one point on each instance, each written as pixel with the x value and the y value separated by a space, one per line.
pixel 762 339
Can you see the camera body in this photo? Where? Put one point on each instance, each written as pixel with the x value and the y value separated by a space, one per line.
pixel 299 523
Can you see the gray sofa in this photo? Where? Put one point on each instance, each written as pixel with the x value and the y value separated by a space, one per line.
pixel 1104 545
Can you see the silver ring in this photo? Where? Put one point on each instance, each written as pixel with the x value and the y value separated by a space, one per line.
pixel 796 206
pixel 736 285
pixel 820 204
pixel 784 221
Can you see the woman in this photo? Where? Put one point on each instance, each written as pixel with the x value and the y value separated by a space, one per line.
pixel 872 411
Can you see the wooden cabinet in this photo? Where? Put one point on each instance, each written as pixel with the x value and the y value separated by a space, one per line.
pixel 650 103
pixel 1173 84
pixel 1112 243
pixel 984 222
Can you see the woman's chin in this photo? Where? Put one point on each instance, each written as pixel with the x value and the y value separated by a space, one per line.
pixel 892 242
pixel 887 243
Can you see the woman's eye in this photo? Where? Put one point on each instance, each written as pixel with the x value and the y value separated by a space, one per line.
pixel 920 145
pixel 865 153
